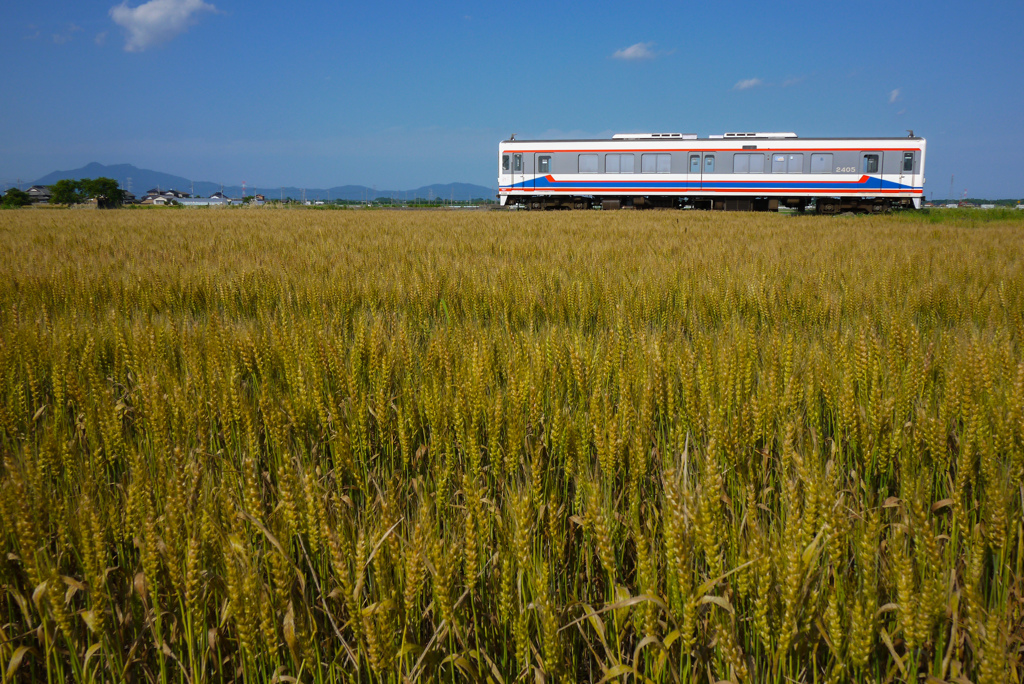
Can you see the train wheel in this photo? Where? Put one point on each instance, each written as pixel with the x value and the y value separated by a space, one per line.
pixel 878 207
pixel 828 206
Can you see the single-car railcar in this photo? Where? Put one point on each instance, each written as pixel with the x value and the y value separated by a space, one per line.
pixel 733 171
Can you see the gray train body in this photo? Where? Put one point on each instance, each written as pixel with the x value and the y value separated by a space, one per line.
pixel 734 171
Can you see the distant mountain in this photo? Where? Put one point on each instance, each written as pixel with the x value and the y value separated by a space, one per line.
pixel 139 181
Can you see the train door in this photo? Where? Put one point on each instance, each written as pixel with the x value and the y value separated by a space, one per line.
pixel 707 170
pixel 871 166
pixel 541 168
pixel 693 171
pixel 518 171
pixel 907 170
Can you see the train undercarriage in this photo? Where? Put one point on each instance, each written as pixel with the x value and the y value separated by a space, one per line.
pixel 819 205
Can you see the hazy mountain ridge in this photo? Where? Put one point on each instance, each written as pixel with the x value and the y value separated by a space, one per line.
pixel 143 180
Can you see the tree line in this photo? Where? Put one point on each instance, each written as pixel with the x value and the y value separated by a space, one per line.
pixel 105 191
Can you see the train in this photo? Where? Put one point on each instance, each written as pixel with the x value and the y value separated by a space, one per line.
pixel 730 172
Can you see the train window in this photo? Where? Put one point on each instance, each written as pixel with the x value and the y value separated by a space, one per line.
pixel 908 162
pixel 870 163
pixel 655 163
pixel 543 164
pixel 588 163
pixel 748 163
pixel 778 163
pixel 618 163
pixel 795 163
pixel 504 162
pixel 517 162
pixel 821 163
pixel 709 163
pixel 694 163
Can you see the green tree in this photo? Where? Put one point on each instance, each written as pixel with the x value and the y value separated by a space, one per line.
pixel 65 191
pixel 104 190
pixel 16 198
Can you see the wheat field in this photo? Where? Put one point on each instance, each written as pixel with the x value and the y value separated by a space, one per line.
pixel 356 446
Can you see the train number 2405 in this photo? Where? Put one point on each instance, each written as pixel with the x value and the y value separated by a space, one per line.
pixel 846 169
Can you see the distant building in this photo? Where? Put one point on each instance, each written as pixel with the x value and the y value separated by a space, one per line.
pixel 39 194
pixel 162 197
pixel 203 201
pixel 176 194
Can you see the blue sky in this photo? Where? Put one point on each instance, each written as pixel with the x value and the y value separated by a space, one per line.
pixel 402 94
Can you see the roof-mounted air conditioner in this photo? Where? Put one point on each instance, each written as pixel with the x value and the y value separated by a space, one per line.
pixel 760 135
pixel 654 136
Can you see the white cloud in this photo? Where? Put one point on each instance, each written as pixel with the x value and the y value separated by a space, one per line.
pixel 156 21
pixel 61 38
pixel 635 52
pixel 894 95
pixel 748 83
pixel 101 38
pixel 793 80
